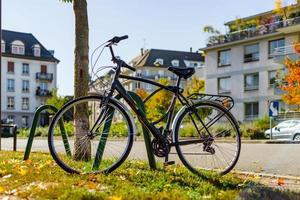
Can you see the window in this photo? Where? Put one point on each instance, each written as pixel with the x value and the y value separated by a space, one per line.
pixel 148 86
pixel 25 120
pixel 159 62
pixel 224 58
pixel 251 82
pixel 10 103
pixel 44 69
pixel 251 110
pixel 251 53
pixel 161 73
pixel 10 67
pixel 175 63
pixel 25 103
pixel 224 85
pixel 17 47
pixel 10 119
pixel 25 86
pixel 137 84
pixel 25 69
pixel 272 77
pixel 10 85
pixel 37 50
pixel 43 86
pixel 139 73
pixel 275 44
pixel 2 46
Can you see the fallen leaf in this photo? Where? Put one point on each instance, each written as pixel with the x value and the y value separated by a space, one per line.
pixel 280 181
pixel 2 189
pixel 7 176
pixel 115 198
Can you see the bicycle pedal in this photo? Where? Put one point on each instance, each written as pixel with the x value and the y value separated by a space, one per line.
pixel 169 163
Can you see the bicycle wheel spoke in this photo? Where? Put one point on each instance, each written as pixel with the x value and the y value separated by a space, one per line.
pixel 219 149
pixel 109 122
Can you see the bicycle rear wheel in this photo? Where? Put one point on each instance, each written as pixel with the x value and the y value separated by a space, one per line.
pixel 77 147
pixel 212 145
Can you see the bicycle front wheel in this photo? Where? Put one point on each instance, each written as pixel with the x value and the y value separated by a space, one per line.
pixel 90 135
pixel 207 138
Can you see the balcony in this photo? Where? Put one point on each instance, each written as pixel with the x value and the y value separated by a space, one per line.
pixel 44 76
pixel 43 93
pixel 252 32
pixel 281 53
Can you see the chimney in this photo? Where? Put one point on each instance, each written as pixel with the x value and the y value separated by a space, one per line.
pixel 142 51
pixel 191 49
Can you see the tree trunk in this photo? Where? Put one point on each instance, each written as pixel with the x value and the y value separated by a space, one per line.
pixel 81 118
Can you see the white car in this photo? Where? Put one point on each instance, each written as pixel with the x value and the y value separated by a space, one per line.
pixel 287 130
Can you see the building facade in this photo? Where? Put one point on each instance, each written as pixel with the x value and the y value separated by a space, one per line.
pixel 153 64
pixel 28 72
pixel 244 63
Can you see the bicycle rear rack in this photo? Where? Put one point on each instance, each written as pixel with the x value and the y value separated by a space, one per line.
pixel 226 101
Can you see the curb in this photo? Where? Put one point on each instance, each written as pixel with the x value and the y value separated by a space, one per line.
pixel 288 177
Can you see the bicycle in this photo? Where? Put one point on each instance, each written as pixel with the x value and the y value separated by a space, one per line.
pixel 204 133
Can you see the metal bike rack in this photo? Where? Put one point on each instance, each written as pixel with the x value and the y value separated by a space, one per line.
pixel 147 137
pixel 33 130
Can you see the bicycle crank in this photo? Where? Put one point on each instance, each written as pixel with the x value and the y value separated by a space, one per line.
pixel 160 149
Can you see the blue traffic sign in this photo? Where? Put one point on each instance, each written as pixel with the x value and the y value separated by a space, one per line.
pixel 274 109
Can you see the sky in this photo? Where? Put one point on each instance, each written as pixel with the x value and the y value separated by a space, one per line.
pixel 160 24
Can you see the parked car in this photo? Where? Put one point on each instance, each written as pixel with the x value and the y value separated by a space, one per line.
pixel 287 130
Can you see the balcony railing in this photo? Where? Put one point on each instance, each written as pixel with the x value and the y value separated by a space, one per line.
pixel 251 32
pixel 280 53
pixel 43 93
pixel 44 76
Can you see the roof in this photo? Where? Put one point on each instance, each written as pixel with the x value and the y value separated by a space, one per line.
pixel 150 56
pixel 29 40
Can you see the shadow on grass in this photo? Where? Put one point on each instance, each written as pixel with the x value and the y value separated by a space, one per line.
pixel 261 192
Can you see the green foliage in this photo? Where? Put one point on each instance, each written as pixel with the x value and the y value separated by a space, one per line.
pixel 57 100
pixel 256 129
pixel 195 85
pixel 159 103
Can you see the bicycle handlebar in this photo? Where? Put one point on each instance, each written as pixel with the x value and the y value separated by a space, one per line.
pixel 117 39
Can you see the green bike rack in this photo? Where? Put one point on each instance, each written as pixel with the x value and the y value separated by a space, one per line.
pixel 103 138
pixel 33 129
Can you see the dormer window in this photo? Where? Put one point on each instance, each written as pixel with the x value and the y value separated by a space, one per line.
pixel 17 47
pixel 175 63
pixel 159 62
pixel 37 50
pixel 2 46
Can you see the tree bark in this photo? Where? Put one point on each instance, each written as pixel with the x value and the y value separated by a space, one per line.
pixel 81 117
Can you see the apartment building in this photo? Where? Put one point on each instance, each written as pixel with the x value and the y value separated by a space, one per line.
pixel 153 64
pixel 244 62
pixel 28 73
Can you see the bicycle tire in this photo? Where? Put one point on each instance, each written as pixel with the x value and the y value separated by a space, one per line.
pixel 176 136
pixel 111 102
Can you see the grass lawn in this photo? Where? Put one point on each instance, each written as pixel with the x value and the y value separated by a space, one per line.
pixel 41 178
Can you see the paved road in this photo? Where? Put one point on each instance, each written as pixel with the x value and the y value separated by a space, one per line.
pixel 281 159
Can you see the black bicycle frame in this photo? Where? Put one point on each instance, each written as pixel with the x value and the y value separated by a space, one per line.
pixel 177 94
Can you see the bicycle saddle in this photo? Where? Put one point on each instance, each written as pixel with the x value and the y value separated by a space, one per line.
pixel 183 72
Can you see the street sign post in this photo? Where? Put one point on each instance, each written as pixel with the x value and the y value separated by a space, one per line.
pixel 273 112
